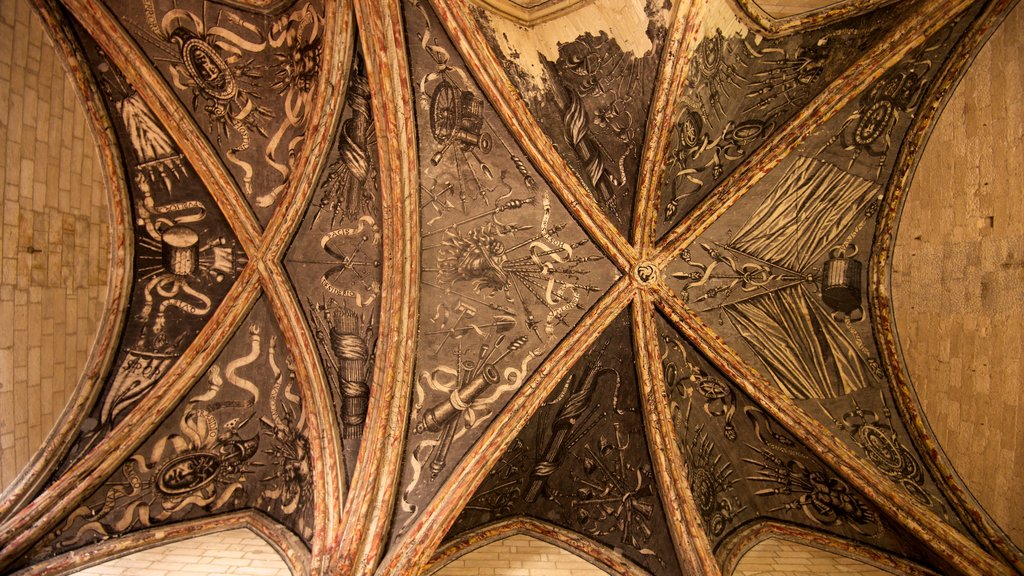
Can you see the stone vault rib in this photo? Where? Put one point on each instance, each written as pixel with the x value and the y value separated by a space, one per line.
pixel 684 36
pixel 692 543
pixel 374 487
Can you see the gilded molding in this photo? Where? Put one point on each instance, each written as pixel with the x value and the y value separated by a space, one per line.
pixel 322 432
pixel 683 39
pixel 325 114
pixel 351 536
pixel 539 12
pixel 740 542
pixel 375 483
pixel 771 26
pixel 324 436
pixel 692 545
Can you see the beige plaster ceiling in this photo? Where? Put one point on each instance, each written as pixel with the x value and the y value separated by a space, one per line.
pixel 784 8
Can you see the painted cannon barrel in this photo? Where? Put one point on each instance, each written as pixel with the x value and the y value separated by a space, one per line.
pixel 435 418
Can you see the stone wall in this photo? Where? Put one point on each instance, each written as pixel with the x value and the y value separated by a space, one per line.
pixel 55 243
pixel 238 552
pixel 519 556
pixel 958 277
pixel 777 557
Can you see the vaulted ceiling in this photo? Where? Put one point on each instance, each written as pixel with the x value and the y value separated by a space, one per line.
pixel 410 276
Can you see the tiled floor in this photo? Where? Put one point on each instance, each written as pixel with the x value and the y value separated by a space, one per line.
pixel 234 552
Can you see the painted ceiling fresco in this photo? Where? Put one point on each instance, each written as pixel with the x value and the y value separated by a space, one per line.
pixel 245 79
pixel 741 89
pixel 582 461
pixel 506 272
pixel 335 262
pixel 186 255
pixel 237 441
pixel 593 104
pixel 401 288
pixel 768 474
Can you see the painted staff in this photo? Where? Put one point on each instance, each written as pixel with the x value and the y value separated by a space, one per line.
pixel 570 413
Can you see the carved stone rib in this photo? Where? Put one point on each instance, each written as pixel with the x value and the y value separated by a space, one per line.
pixel 577 544
pixel 834 12
pixel 682 42
pixel 292 550
pixel 322 431
pixel 324 115
pixel 375 480
pixel 966 507
pixel 692 545
pixel 735 547
pixel 327 459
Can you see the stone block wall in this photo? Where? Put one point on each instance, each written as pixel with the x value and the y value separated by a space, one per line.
pixel 519 556
pixel 775 557
pixel 237 552
pixel 958 277
pixel 54 248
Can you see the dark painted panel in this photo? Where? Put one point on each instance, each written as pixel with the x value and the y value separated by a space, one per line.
pixel 335 262
pixel 237 441
pixel 506 270
pixel 186 256
pixel 741 89
pixel 583 462
pixel 781 275
pixel 247 79
pixel 593 104
pixel 743 466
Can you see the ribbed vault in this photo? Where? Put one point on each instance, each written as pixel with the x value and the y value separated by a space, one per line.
pixel 410 277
